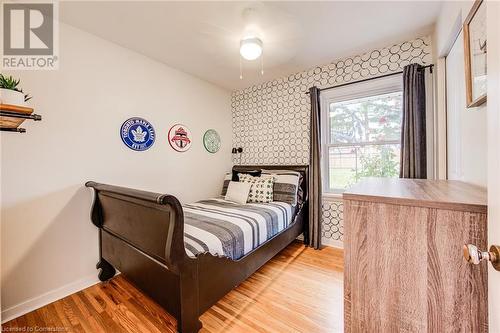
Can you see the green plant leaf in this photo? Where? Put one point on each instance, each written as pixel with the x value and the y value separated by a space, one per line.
pixel 12 84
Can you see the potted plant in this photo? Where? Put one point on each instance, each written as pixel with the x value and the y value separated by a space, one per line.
pixel 11 93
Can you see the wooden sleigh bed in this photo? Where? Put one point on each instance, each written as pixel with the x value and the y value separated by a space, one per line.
pixel 141 234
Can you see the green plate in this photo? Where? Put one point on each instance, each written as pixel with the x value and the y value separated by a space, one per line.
pixel 211 141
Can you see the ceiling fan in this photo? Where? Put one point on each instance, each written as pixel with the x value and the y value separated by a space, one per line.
pixel 257 28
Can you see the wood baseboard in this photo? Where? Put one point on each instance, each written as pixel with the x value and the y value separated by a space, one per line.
pixel 49 297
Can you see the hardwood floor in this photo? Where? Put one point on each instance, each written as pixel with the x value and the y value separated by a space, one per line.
pixel 299 290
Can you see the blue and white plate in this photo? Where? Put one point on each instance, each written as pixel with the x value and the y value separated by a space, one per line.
pixel 137 134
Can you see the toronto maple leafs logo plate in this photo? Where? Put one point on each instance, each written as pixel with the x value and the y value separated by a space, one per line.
pixel 137 134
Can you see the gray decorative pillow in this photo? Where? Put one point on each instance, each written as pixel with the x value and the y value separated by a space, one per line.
pixel 261 189
pixel 286 184
pixel 227 179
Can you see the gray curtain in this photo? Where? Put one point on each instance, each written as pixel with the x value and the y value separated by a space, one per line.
pixel 313 238
pixel 413 137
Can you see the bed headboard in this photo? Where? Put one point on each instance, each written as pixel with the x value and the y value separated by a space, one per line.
pixel 303 169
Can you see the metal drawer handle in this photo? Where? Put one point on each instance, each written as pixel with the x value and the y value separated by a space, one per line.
pixel 474 256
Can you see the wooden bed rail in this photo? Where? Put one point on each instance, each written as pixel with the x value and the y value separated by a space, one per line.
pixel 152 223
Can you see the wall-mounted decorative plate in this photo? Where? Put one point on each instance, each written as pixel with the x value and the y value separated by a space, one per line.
pixel 179 137
pixel 137 134
pixel 211 141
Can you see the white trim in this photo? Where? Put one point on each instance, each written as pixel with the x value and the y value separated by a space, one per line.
pixel 455 101
pixel 332 243
pixel 440 136
pixel 330 196
pixel 441 114
pixel 430 121
pixel 49 297
pixel 377 86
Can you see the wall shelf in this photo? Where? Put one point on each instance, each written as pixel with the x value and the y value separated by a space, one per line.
pixel 12 116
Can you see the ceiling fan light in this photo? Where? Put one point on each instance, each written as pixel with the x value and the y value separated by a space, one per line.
pixel 251 48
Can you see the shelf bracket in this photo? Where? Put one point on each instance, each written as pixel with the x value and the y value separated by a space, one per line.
pixel 18 130
pixel 35 117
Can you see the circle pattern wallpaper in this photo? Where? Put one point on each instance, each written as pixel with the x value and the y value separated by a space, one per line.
pixel 333 215
pixel 271 120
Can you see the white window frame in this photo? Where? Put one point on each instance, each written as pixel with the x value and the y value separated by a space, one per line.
pixel 380 86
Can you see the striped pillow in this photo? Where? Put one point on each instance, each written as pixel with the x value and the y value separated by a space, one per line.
pixel 227 179
pixel 261 189
pixel 286 184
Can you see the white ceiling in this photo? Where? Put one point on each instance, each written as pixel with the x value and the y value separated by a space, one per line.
pixel 202 38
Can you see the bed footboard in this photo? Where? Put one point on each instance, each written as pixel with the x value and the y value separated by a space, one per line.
pixel 142 235
pixel 151 222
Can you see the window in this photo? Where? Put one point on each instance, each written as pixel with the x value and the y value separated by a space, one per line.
pixel 361 132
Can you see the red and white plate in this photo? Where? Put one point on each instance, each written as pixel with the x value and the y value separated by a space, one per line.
pixel 179 137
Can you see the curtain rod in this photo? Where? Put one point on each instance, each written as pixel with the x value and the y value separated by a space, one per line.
pixel 369 79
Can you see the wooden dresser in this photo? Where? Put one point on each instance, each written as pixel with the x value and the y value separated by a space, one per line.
pixel 404 269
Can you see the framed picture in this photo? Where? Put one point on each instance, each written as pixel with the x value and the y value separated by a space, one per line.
pixel 475 55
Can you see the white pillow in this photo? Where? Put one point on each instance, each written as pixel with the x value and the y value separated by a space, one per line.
pixel 238 192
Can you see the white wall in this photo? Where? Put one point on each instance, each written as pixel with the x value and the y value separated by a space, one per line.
pixel 467 144
pixel 467 132
pixel 450 20
pixel 48 243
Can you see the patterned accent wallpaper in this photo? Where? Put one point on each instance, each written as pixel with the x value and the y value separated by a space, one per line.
pixel 271 120
pixel 333 215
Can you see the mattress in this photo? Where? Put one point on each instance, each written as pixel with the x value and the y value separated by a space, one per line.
pixel 228 229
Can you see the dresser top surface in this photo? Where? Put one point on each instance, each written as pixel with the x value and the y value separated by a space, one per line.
pixel 445 194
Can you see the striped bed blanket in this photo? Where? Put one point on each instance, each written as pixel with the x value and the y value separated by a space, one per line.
pixel 228 229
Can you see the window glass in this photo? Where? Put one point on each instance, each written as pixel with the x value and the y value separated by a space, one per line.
pixel 363 139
